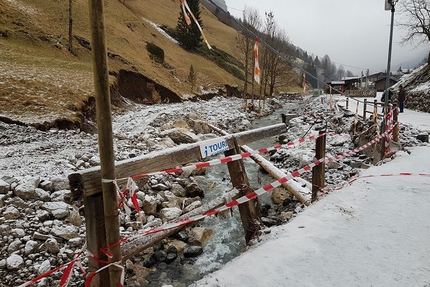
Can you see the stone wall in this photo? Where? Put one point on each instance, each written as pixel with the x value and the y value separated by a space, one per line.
pixel 418 101
pixel 417 91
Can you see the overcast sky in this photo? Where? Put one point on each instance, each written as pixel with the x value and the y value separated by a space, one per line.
pixel 354 34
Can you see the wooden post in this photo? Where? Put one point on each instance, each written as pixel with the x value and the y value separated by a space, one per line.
pixel 365 109
pixel 284 118
pixel 318 172
pixel 239 180
pixel 375 112
pixel 385 113
pixel 109 213
pixel 396 122
pixel 96 237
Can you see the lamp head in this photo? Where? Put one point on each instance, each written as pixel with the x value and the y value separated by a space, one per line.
pixel 389 4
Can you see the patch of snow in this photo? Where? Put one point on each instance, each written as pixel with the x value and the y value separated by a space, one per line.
pixel 28 9
pixel 162 32
pixel 421 88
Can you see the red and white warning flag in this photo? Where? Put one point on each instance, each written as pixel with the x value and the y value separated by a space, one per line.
pixel 186 8
pixel 184 11
pixel 256 65
pixel 356 116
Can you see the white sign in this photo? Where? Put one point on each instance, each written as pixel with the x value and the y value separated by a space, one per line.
pixel 213 147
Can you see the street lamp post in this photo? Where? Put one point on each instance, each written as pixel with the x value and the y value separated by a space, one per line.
pixel 390 6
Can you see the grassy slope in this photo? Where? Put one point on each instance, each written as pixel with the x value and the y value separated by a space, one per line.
pixel 42 81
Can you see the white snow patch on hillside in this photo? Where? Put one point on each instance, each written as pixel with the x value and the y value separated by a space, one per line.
pixel 24 7
pixel 158 28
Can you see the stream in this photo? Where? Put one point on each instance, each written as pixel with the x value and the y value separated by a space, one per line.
pixel 228 239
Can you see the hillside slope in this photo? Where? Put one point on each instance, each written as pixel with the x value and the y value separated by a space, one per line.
pixel 45 85
pixel 417 86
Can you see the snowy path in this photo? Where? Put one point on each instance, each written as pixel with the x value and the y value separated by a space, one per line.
pixel 419 120
pixel 372 233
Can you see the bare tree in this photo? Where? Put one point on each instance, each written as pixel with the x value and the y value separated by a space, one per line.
pixel 273 63
pixel 416 21
pixel 252 22
pixel 329 69
pixel 340 73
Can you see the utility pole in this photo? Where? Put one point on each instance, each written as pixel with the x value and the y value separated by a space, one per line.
pixel 110 277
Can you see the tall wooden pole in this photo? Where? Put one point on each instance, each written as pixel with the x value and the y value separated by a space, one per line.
pixel 96 237
pixel 396 121
pixel 365 109
pixel 105 138
pixel 318 172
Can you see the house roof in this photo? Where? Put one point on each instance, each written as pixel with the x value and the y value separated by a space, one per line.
pixel 391 78
pixel 350 78
pixel 336 83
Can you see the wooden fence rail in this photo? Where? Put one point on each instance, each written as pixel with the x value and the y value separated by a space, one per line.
pixel 88 182
pixel 367 104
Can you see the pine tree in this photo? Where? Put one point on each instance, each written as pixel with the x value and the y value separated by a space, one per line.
pixel 189 36
pixel 312 75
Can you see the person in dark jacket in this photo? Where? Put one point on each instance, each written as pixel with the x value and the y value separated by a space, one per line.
pixel 390 93
pixel 401 98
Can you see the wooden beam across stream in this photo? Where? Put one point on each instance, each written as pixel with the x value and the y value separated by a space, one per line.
pixel 88 182
pixel 270 168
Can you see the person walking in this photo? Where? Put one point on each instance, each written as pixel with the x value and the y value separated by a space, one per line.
pixel 401 98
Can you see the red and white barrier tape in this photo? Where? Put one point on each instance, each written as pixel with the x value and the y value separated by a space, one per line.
pixel 34 280
pixel 196 218
pixel 224 160
pixel 131 186
pixel 387 126
pixel 356 115
pixel 259 191
pixel 375 117
pixel 185 9
pixel 117 264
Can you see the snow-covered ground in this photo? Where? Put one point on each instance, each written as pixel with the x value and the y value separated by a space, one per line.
pixel 373 232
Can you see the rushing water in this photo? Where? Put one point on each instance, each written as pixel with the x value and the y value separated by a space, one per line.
pixel 228 239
